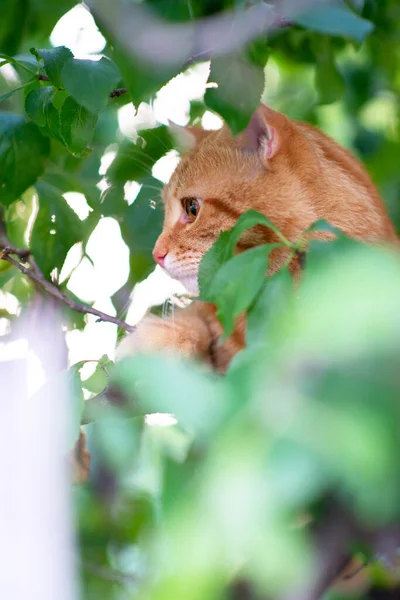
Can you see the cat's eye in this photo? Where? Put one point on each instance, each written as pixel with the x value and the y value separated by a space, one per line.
pixel 192 207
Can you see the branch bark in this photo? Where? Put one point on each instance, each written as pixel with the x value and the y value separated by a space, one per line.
pixel 27 265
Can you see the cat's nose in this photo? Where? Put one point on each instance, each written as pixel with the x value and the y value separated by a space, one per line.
pixel 159 257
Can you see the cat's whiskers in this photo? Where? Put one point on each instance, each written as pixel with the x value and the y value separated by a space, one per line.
pixel 172 312
pixel 164 310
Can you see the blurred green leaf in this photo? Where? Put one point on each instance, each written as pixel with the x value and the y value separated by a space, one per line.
pixel 355 302
pixel 44 14
pixel 336 19
pixel 118 439
pixel 14 13
pixel 97 382
pixel 143 79
pixel 328 80
pixel 240 85
pixel 197 399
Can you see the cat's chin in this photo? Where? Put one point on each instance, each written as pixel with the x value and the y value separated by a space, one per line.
pixel 191 284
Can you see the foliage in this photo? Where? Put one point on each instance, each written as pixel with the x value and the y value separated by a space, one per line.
pixel 308 412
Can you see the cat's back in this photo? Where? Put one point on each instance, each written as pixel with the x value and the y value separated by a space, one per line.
pixel 344 192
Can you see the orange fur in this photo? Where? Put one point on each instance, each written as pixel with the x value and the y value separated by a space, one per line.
pixel 289 171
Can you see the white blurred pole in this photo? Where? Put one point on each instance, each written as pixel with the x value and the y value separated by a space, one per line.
pixel 36 546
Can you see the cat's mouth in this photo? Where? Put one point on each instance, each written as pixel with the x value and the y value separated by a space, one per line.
pixel 187 275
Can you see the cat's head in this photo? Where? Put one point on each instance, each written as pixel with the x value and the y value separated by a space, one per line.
pixel 287 170
pixel 217 180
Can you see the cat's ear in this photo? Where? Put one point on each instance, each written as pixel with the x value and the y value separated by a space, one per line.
pixel 262 134
pixel 187 137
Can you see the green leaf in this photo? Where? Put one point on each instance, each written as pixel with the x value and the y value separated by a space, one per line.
pixel 53 61
pixel 237 283
pixel 141 226
pixel 135 161
pixel 97 382
pixel 258 52
pixel 143 79
pixel 77 126
pixel 90 82
pixel 53 121
pixel 35 104
pixel 225 245
pixel 265 314
pixel 113 203
pixel 323 225
pixel 336 19
pixel 56 229
pixel 240 85
pixel 23 153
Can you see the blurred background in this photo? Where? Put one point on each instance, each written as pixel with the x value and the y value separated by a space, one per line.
pixel 213 490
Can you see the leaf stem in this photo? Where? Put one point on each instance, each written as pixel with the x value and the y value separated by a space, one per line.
pixel 11 92
pixel 17 63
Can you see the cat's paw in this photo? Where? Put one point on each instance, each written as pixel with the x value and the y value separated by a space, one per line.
pixel 183 334
pixel 154 335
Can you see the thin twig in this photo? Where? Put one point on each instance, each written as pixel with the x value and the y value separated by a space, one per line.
pixel 31 270
pixel 35 275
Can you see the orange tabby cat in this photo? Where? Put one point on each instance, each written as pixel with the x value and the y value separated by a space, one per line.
pixel 286 169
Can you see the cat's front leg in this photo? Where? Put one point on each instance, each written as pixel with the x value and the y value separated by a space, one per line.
pixel 192 332
pixel 185 332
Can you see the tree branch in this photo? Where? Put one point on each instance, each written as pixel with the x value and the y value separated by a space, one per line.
pixel 6 247
pixel 35 275
pixel 31 270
